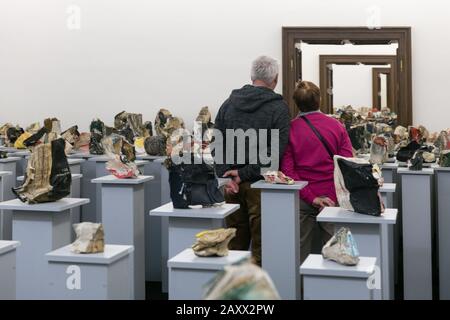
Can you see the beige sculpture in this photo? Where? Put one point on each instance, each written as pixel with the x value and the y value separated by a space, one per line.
pixel 90 238
pixel 213 242
pixel 401 134
pixel 33 128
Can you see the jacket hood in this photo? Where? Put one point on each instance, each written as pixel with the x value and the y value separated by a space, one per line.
pixel 250 98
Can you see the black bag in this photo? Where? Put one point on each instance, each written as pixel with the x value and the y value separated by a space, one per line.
pixel 363 187
pixel 194 184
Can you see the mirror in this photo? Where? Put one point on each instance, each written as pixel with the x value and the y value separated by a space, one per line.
pixel 353 66
pixel 354 85
pixel 345 75
pixel 383 87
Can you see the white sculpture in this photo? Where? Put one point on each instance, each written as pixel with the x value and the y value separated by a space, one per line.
pixel 90 238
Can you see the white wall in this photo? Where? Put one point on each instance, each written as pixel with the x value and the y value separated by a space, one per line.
pixel 383 90
pixel 352 85
pixel 311 56
pixel 183 54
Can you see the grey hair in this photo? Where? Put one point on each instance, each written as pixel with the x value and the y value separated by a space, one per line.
pixel 264 68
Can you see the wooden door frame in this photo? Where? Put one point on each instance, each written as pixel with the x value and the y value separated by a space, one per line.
pixel 376 86
pixel 356 35
pixel 350 59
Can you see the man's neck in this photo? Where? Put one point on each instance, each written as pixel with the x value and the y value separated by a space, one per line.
pixel 259 83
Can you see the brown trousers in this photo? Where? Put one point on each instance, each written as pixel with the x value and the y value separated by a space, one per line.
pixel 247 220
pixel 309 226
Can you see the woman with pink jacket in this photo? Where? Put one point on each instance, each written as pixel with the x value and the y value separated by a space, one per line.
pixel 314 139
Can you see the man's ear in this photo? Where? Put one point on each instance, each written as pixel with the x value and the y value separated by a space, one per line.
pixel 275 82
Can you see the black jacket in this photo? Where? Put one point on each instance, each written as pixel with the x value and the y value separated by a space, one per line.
pixel 252 108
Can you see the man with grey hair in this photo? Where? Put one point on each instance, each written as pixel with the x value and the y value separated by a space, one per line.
pixel 253 108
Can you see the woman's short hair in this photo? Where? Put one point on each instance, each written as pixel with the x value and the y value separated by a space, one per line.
pixel 307 96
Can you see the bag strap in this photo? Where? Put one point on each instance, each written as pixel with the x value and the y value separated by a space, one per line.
pixel 317 133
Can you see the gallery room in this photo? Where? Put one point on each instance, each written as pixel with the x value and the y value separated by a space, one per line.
pixel 224 150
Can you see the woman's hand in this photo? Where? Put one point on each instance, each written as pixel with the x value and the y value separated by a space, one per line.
pixel 322 202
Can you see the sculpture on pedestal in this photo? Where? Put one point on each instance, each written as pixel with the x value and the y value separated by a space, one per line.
pixel 213 242
pixel 48 176
pixel 342 248
pixel 90 238
pixel 98 131
pixel 277 177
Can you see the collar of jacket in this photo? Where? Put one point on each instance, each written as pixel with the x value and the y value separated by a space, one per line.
pixel 300 114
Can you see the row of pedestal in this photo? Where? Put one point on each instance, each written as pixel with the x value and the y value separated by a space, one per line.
pixel 122 204
pixel 166 233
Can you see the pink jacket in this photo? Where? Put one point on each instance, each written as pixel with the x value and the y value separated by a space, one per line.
pixel 306 158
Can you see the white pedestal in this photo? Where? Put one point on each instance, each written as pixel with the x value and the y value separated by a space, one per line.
pixel 40 228
pixel 98 276
pixel 123 220
pixel 386 191
pixel 75 165
pixel 5 224
pixel 188 274
pixel 8 269
pixel 21 153
pixel 149 158
pixel 23 162
pixel 387 194
pixel 81 155
pixel 88 190
pixel 8 149
pixel 280 235
pixel 100 171
pixel 373 237
pixel 418 224
pixel 184 224
pixel 327 280
pixel 443 218
pixel 75 192
pixel 153 262
pixel 77 178
pixel 165 198
pixel 9 181
pixel 390 175
pixel 389 171
pixel 404 165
